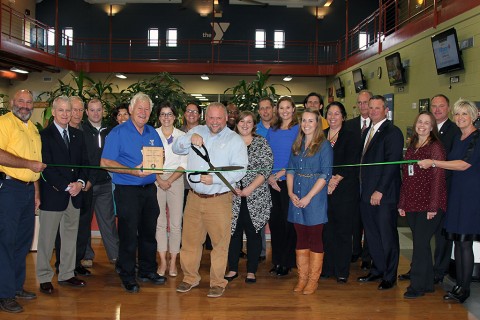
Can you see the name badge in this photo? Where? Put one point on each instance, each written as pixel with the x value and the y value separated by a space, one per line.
pixel 410 170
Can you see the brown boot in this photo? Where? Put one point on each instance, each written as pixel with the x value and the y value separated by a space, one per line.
pixel 303 261
pixel 316 263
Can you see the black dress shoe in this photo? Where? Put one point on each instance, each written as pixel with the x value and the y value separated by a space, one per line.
pixel 274 269
pixel 82 271
pixel 250 280
pixel 366 265
pixel 342 280
pixel 153 277
pixel 405 276
pixel 22 294
pixel 74 282
pixel 229 279
pixel 354 258
pixel 385 285
pixel 437 280
pixel 324 276
pixel 369 278
pixel 262 258
pixel 131 286
pixel 46 287
pixel 283 271
pixel 413 294
pixel 10 305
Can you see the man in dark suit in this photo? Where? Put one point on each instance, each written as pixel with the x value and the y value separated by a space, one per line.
pixel 358 125
pixel 60 195
pixel 447 130
pixel 380 188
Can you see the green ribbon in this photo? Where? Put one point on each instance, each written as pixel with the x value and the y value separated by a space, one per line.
pixel 242 170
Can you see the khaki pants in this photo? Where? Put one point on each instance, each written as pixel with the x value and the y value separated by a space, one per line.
pixel 202 215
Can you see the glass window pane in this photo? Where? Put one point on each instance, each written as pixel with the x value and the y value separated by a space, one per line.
pixel 279 39
pixel 260 38
pixel 362 40
pixel 153 37
pixel 51 36
pixel 67 37
pixel 172 37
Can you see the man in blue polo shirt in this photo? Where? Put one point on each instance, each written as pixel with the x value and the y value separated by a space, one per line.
pixel 135 194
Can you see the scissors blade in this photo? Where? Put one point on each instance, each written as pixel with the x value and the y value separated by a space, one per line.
pixel 227 168
pixel 226 182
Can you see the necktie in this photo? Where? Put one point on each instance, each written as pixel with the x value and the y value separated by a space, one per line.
pixel 364 127
pixel 65 138
pixel 370 136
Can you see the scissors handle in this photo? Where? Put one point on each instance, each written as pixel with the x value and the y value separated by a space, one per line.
pixel 205 156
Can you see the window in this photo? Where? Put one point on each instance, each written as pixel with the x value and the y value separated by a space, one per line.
pixel 172 37
pixel 50 37
pixel 153 37
pixel 67 37
pixel 362 40
pixel 260 38
pixel 279 39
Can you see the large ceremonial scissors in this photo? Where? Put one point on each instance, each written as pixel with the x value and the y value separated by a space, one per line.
pixel 216 170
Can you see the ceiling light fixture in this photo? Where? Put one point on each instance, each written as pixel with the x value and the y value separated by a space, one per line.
pixel 121 76
pixel 18 70
pixel 288 78
pixel 204 77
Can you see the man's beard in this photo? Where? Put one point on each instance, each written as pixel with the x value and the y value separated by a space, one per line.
pixel 22 116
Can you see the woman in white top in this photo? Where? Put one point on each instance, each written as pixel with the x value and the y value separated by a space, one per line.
pixel 169 192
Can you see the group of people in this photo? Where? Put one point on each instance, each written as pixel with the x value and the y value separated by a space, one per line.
pixel 320 183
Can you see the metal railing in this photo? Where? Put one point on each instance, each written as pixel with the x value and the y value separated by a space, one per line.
pixel 393 15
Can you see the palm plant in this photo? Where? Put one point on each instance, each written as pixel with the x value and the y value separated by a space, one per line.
pixel 246 95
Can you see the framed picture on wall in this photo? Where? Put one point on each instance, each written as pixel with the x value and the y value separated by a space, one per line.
pixel 424 105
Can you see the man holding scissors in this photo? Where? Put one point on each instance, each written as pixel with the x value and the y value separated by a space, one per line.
pixel 209 203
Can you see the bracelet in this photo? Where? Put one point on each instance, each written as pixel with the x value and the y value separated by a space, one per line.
pixel 433 164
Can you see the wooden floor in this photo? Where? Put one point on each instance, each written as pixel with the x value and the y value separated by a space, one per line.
pixel 269 298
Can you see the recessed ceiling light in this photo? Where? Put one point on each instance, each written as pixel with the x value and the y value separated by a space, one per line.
pixel 196 94
pixel 121 76
pixel 288 78
pixel 18 70
pixel 204 77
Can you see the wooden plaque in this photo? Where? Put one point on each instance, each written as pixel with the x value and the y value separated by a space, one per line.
pixel 153 159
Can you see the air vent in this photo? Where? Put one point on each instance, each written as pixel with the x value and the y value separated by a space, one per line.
pixel 47 79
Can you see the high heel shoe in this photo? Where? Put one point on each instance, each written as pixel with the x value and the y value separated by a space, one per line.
pixel 172 273
pixel 231 278
pixel 282 271
pixel 457 294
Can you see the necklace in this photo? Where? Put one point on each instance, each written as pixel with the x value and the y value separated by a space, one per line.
pixel 424 142
pixel 332 139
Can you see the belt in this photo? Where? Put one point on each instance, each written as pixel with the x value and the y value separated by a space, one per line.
pixel 7 177
pixel 206 196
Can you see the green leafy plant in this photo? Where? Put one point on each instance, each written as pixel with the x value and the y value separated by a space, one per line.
pixel 161 87
pixel 3 105
pixel 247 94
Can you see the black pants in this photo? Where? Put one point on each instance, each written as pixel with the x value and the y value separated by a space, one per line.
pixel 421 273
pixel 137 212
pixel 337 235
pixel 443 252
pixel 282 232
pixel 380 223
pixel 84 226
pixel 254 241
pixel 359 249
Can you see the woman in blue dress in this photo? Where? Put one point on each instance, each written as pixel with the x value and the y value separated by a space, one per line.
pixel 281 136
pixel 308 173
pixel 462 223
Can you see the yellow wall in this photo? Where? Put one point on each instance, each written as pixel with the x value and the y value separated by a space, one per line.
pixel 422 79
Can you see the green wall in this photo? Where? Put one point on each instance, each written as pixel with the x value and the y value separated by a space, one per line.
pixel 422 79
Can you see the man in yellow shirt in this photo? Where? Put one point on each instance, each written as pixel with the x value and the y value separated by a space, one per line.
pixel 20 164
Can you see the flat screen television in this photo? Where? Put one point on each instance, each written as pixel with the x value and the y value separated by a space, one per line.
pixel 339 89
pixel 358 80
pixel 448 56
pixel 395 70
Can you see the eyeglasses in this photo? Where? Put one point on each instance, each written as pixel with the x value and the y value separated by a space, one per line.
pixel 191 111
pixel 166 115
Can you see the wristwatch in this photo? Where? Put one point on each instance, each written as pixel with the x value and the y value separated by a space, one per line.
pixel 433 164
